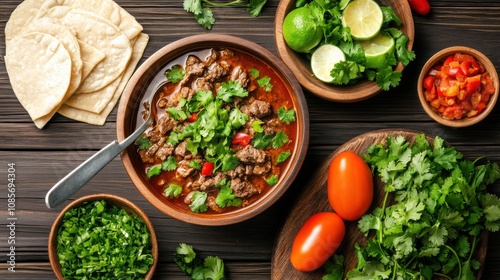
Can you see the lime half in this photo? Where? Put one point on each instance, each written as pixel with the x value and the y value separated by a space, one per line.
pixel 323 59
pixel 376 50
pixel 364 18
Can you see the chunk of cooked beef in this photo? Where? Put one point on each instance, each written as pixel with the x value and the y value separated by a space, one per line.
pixel 181 149
pixel 164 151
pixel 216 72
pixel 260 109
pixel 203 84
pixel 250 154
pixel 226 53
pixel 184 170
pixel 272 126
pixel 240 75
pixel 238 172
pixel 243 189
pixel 203 183
pixel 194 66
pixel 162 127
pixel 262 169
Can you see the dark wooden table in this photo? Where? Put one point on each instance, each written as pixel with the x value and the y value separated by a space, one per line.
pixel 42 157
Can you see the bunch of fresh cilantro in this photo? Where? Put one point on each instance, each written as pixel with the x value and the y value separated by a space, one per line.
pixel 328 16
pixel 201 9
pixel 440 209
pixel 208 268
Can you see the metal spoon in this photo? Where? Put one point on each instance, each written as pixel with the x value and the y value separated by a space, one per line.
pixel 89 168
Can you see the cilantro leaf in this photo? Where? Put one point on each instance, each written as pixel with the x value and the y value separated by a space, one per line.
pixel 175 74
pixel 153 170
pixel 283 156
pixel 197 204
pixel 273 180
pixel 226 197
pixel 286 116
pixel 279 139
pixel 193 265
pixel 265 82
pixel 173 191
pixel 255 7
pixel 231 89
pixel 143 143
pixel 169 164
pixel 205 18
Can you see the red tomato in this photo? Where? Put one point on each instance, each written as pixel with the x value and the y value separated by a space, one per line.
pixel 207 169
pixel 317 241
pixel 350 186
pixel 421 7
pixel 241 138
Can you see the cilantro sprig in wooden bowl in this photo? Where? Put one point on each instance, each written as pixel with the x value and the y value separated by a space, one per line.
pixel 364 88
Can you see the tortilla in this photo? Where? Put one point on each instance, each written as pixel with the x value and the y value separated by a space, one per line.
pixel 39 67
pixel 105 8
pixel 101 34
pixel 101 31
pixel 90 57
pixel 68 39
pixel 100 119
pixel 21 17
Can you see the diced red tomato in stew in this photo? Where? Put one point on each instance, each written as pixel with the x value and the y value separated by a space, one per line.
pixel 207 169
pixel 459 87
pixel 241 138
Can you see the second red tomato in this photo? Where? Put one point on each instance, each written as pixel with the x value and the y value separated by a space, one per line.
pixel 350 186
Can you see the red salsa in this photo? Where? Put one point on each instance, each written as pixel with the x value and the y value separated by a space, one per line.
pixel 458 87
pixel 224 129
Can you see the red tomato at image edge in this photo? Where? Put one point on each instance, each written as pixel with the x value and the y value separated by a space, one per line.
pixel 350 186
pixel 317 240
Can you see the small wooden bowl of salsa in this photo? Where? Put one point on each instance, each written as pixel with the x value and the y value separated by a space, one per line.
pixel 458 86
pixel 230 129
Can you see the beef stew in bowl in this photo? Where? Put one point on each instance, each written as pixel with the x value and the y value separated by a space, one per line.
pixel 229 135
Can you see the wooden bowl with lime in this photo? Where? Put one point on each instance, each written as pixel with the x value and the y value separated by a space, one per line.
pixel 340 67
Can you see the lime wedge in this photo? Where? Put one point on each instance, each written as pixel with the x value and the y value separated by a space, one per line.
pixel 364 18
pixel 376 50
pixel 323 59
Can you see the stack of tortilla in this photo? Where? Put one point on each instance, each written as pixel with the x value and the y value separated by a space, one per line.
pixel 73 57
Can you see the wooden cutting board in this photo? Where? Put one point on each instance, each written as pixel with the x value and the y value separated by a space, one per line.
pixel 314 199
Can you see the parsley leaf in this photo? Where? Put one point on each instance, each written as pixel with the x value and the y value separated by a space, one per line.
pixel 279 139
pixel 226 197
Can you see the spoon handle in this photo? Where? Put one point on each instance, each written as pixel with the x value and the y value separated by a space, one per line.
pixel 89 168
pixel 81 175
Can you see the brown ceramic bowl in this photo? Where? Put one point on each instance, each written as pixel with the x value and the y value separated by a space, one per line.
pixel 142 82
pixel 118 201
pixel 300 66
pixel 439 57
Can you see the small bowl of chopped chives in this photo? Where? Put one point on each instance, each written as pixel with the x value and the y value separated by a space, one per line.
pixel 103 236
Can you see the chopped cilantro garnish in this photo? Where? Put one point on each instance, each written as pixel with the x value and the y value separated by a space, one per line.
pixel 143 143
pixel 192 265
pixel 195 164
pixel 175 74
pixel 279 139
pixel 286 116
pixel 198 202
pixel 283 156
pixel 254 72
pixel 273 180
pixel 265 82
pixel 169 164
pixel 257 126
pixel 262 140
pixel 173 191
pixel 231 89
pixel 176 113
pixel 226 197
pixel 98 240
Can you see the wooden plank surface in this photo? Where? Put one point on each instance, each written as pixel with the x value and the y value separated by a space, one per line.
pixel 42 157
